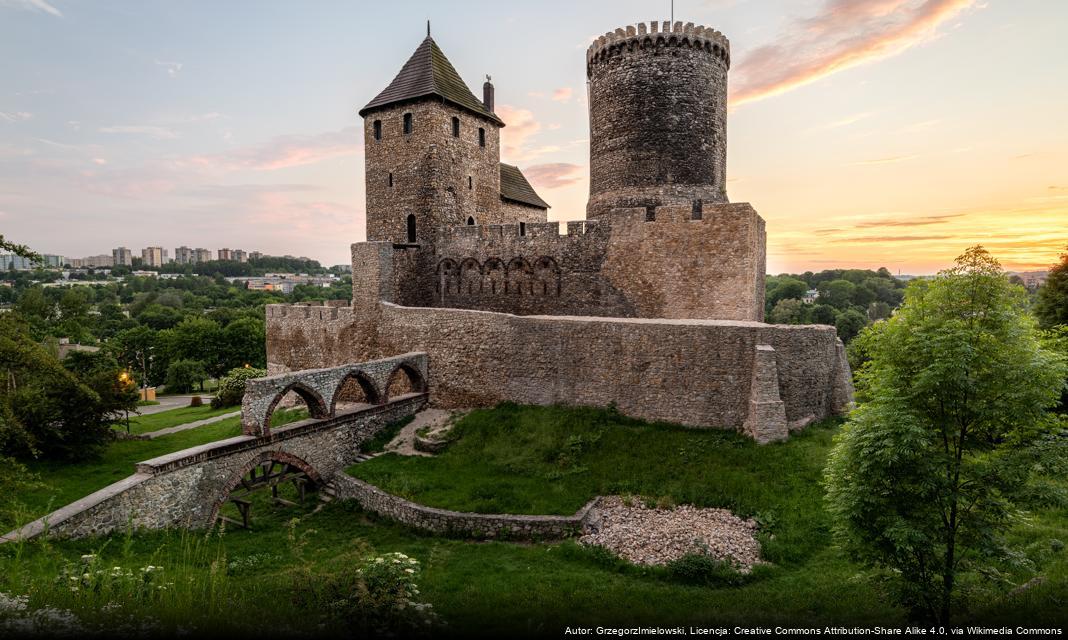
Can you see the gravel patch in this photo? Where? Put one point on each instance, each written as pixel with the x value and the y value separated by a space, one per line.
pixel 657 536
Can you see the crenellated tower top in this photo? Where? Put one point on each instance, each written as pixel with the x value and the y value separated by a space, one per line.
pixel 659 34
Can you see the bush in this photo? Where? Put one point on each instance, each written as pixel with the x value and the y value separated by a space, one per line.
pixel 232 386
pixel 700 569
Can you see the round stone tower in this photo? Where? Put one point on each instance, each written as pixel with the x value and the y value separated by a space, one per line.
pixel 658 117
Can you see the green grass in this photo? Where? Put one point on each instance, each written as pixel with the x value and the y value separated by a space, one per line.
pixel 171 418
pixel 552 460
pixel 541 460
pixel 63 483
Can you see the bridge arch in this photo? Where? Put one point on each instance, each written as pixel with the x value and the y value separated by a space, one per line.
pixel 259 461
pixel 370 390
pixel 317 407
pixel 415 379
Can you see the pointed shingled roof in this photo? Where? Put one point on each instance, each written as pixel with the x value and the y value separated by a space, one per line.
pixel 429 73
pixel 514 186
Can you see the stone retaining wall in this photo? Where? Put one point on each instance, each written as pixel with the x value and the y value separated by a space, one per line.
pixel 459 524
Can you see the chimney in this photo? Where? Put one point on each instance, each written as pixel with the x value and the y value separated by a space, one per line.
pixel 487 94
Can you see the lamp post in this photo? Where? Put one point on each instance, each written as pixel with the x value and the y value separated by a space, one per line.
pixel 124 379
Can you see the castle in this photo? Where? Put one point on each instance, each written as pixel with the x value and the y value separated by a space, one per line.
pixel 653 304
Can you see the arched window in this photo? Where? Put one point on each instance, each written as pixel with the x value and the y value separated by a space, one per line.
pixel 455 127
pixel 407 123
pixel 391 178
pixel 411 228
pixel 378 129
pixel 470 182
pixel 470 221
pixel 481 137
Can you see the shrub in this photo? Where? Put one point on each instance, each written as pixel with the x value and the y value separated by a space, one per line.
pixel 696 568
pixel 232 386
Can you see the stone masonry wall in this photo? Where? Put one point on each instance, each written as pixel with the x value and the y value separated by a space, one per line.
pixel 431 171
pixel 658 116
pixel 679 264
pixel 460 524
pixel 691 372
pixel 186 488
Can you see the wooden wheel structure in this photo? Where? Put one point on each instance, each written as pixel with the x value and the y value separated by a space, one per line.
pixel 267 475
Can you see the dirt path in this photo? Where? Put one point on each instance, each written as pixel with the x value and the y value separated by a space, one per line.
pixel 404 443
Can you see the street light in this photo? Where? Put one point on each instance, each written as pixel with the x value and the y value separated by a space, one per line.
pixel 124 378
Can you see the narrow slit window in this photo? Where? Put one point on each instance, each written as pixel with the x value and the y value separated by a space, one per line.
pixel 407 123
pixel 378 129
pixel 455 127
pixel 411 228
pixel 481 137
pixel 522 228
pixel 391 178
pixel 470 183
pixel 470 221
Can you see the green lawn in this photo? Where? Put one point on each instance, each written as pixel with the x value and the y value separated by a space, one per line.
pixel 171 418
pixel 63 483
pixel 540 460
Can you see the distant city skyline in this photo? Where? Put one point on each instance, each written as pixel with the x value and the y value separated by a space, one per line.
pixel 893 133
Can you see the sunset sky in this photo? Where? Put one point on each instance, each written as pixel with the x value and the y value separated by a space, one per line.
pixel 867 133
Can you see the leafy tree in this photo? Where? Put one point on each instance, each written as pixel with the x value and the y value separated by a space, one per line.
pixel 182 375
pixel 928 474
pixel 196 338
pixel 784 288
pixel 837 293
pixel 101 372
pixel 1052 305
pixel 135 349
pixel 788 311
pixel 878 310
pixel 245 342
pixel 45 409
pixel 823 314
pixel 849 323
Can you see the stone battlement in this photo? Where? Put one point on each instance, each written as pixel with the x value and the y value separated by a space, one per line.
pixel 330 310
pixel 528 230
pixel 657 33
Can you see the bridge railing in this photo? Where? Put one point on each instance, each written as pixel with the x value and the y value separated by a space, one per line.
pixel 320 389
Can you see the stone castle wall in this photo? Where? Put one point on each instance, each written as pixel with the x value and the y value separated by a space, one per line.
pixel 671 262
pixel 692 372
pixel 658 117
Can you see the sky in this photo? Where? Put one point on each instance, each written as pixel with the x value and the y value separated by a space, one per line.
pixel 867 133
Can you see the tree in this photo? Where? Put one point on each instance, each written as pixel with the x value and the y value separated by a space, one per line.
pixel 245 342
pixel 45 410
pixel 20 250
pixel 1052 305
pixel 788 311
pixel 135 349
pixel 823 314
pixel 232 386
pixel 182 375
pixel 927 475
pixel 784 288
pixel 849 323
pixel 837 293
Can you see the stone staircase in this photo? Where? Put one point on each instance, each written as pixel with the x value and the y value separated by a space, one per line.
pixel 328 492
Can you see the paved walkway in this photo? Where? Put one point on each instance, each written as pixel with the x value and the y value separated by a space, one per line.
pixel 189 425
pixel 166 403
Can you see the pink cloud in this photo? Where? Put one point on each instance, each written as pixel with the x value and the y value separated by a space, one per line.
pixel 286 151
pixel 563 94
pixel 844 34
pixel 554 174
pixel 521 127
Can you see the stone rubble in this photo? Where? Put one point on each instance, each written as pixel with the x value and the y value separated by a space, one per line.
pixel 657 536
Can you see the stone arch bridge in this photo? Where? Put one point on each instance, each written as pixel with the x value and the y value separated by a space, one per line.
pixel 188 488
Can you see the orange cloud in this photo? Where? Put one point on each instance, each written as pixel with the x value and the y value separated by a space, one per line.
pixel 844 34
